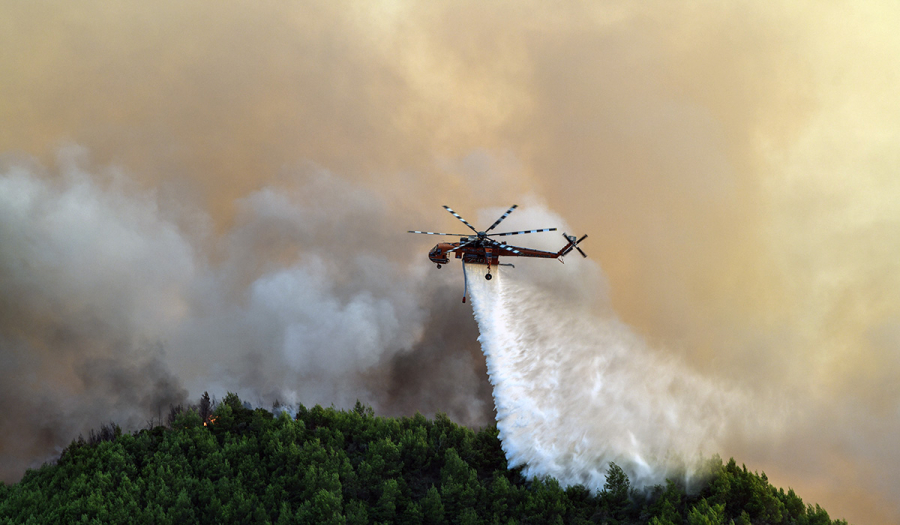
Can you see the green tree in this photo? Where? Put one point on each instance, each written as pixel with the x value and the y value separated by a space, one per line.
pixel 356 513
pixel 386 509
pixel 616 492
pixel 183 510
pixel 704 514
pixel 324 508
pixel 667 509
pixel 433 507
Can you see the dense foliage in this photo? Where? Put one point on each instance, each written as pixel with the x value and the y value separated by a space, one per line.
pixel 350 467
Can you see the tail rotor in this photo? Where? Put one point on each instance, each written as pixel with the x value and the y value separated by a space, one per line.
pixel 572 244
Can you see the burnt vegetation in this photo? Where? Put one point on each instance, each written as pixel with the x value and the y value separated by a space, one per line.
pixel 227 463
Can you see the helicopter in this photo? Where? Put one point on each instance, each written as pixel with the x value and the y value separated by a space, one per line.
pixel 482 248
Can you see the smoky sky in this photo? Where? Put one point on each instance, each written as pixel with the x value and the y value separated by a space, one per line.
pixel 186 189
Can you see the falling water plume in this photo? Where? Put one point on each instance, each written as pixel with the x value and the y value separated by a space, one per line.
pixel 574 392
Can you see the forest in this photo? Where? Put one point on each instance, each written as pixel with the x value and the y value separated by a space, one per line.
pixel 227 463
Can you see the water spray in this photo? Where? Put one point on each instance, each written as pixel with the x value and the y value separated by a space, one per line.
pixel 574 392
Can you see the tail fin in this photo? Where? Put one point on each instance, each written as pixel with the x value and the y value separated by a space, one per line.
pixel 572 244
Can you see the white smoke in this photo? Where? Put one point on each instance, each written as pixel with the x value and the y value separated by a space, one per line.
pixel 574 391
pixel 116 302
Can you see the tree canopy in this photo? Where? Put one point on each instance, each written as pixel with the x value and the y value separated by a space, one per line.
pixel 240 465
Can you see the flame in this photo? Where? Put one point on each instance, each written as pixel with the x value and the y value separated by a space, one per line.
pixel 209 422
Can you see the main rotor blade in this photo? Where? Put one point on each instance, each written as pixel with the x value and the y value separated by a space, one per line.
pixel 460 246
pixel 505 215
pixel 437 233
pixel 503 246
pixel 583 237
pixel 512 247
pixel 460 218
pixel 521 232
pixel 581 252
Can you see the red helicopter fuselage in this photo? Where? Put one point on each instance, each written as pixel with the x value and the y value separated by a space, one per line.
pixel 488 253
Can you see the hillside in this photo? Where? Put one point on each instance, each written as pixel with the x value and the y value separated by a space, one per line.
pixel 334 467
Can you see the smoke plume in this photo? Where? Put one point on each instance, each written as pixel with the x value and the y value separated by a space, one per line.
pixel 91 277
pixel 118 302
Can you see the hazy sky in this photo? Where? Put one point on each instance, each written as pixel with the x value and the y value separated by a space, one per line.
pixel 174 175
